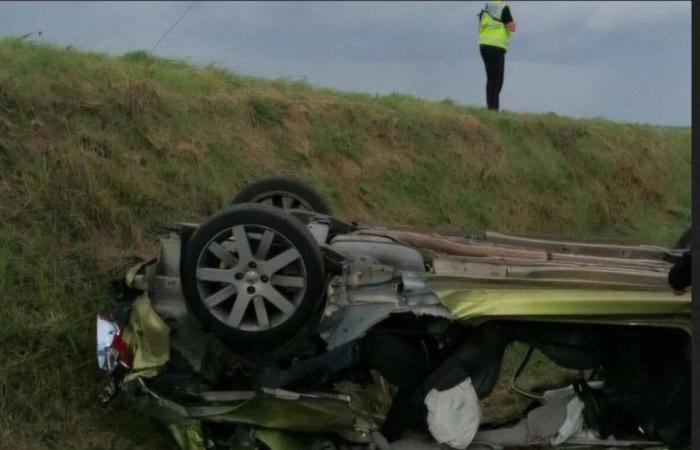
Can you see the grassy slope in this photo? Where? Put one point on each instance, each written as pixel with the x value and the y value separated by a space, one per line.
pixel 95 152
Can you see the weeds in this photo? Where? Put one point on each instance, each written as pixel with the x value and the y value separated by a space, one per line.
pixel 331 139
pixel 265 111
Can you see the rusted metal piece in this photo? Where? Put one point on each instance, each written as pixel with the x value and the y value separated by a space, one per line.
pixel 585 275
pixel 451 247
pixel 540 251
pixel 603 250
pixel 536 262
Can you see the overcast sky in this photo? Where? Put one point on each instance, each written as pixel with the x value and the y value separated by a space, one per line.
pixel 627 61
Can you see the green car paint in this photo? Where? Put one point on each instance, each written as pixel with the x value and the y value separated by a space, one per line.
pixel 148 337
pixel 274 418
pixel 624 307
pixel 279 440
pixel 270 417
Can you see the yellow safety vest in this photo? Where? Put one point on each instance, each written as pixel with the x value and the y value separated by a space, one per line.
pixel 493 32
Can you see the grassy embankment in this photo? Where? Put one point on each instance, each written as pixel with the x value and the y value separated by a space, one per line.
pixel 95 152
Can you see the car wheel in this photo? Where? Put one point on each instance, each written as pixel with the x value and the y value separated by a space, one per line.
pixel 283 192
pixel 253 275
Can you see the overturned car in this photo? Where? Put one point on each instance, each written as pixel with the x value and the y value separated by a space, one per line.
pixel 240 332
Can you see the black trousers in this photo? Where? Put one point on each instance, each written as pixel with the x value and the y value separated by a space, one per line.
pixel 495 61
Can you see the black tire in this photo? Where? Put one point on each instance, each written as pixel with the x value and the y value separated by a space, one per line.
pixel 215 267
pixel 684 241
pixel 283 192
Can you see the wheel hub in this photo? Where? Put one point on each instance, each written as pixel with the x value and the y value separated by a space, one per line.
pixel 251 277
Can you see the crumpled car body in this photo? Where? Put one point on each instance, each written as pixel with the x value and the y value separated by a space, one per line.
pixel 414 311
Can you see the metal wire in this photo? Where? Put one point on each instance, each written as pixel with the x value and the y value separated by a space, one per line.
pixel 516 389
pixel 179 19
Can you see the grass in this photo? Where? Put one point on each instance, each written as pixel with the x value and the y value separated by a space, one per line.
pixel 539 375
pixel 96 152
pixel 267 111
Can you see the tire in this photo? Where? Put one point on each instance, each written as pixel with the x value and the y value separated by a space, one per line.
pixel 283 192
pixel 258 294
pixel 684 241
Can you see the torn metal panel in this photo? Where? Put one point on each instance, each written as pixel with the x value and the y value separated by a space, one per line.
pixel 333 361
pixel 352 322
pixel 572 275
pixel 353 311
pixel 147 336
pixel 187 435
pixel 278 440
pixel 276 410
pixel 226 396
pixel 384 250
pixel 603 255
pixel 615 251
pixel 445 245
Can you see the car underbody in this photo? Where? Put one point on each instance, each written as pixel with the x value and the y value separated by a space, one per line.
pixel 396 313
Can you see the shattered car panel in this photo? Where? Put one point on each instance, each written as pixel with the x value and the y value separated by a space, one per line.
pixel 452 304
pixel 148 335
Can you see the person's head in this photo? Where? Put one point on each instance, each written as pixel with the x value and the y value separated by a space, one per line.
pixel 494 8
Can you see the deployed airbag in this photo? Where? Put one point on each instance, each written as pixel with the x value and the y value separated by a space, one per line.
pixel 454 414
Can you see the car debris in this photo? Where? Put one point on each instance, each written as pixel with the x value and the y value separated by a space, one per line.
pixel 277 326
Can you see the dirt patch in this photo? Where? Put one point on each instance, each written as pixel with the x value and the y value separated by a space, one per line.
pixel 259 149
pixel 469 145
pixel 473 142
pixel 348 174
pixel 386 146
pixel 383 152
pixel 195 151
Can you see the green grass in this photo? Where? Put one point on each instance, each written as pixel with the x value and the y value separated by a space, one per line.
pixel 539 375
pixel 267 111
pixel 96 152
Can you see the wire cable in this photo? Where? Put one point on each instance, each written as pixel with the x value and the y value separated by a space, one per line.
pixel 515 388
pixel 179 19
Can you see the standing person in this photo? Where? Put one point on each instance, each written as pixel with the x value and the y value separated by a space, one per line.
pixel 495 26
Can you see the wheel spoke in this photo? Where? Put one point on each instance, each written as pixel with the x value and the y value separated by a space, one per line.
pixel 261 312
pixel 265 243
pixel 282 260
pixel 239 308
pixel 220 296
pixel 273 296
pixel 229 246
pixel 218 275
pixel 222 253
pixel 287 281
pixel 252 266
pixel 242 244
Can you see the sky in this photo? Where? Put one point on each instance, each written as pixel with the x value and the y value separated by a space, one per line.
pixel 625 61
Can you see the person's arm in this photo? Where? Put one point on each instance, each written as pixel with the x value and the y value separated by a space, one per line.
pixel 507 19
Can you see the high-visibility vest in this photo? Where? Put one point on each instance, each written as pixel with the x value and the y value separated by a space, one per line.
pixel 491 30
